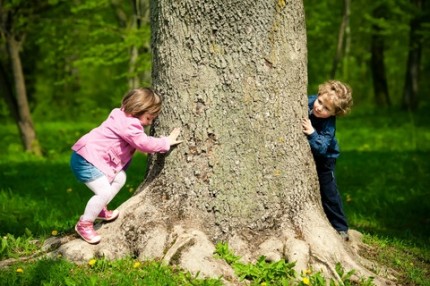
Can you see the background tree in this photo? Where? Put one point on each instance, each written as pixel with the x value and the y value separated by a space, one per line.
pixel 410 93
pixel 393 30
pixel 70 49
pixel 380 85
pixel 233 75
pixel 99 48
pixel 75 46
pixel 343 40
pixel 14 18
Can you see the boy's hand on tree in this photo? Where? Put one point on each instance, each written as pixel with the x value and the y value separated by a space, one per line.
pixel 308 129
pixel 173 137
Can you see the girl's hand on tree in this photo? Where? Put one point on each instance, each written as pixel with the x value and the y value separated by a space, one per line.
pixel 308 129
pixel 173 137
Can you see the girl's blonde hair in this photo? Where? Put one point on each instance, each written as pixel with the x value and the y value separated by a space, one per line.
pixel 140 100
pixel 340 93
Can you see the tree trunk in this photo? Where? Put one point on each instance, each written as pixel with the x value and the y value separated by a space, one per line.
pixel 410 92
pixel 380 86
pixel 233 75
pixel 25 123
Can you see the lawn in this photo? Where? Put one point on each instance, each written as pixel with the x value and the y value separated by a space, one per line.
pixel 382 175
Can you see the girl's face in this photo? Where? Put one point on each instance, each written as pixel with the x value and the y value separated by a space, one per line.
pixel 146 118
pixel 323 107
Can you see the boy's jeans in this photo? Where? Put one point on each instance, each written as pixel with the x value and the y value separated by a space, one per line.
pixel 331 200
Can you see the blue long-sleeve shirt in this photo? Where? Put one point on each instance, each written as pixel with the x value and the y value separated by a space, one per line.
pixel 323 141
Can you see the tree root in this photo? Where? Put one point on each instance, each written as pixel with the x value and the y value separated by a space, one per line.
pixel 185 244
pixel 192 250
pixel 50 245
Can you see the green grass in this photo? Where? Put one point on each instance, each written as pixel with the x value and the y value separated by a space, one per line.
pixel 98 272
pixel 382 175
pixel 42 194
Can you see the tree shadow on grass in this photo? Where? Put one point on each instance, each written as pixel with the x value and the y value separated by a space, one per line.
pixel 44 195
pixel 43 272
pixel 387 193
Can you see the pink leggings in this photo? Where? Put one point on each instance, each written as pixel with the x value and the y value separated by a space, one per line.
pixel 104 192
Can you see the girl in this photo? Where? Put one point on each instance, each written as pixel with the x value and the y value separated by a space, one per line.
pixel 100 157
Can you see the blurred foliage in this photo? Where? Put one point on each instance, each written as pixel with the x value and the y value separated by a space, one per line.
pixel 76 55
pixel 323 20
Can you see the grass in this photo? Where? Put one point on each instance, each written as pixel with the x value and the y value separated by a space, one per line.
pixel 99 272
pixel 41 194
pixel 382 175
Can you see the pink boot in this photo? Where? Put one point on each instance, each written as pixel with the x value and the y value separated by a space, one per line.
pixel 108 215
pixel 86 230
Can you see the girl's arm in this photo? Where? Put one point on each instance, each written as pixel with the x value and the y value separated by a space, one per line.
pixel 173 137
pixel 136 137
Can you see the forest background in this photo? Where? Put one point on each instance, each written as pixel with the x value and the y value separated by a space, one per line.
pixel 78 58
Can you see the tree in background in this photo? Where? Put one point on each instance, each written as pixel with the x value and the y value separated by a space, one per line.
pixel 106 52
pixel 412 75
pixel 344 38
pixel 135 22
pixel 15 17
pixel 79 55
pixel 75 57
pixel 392 30
pixel 233 75
pixel 377 46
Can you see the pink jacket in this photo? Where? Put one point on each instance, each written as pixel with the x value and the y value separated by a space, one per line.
pixel 110 146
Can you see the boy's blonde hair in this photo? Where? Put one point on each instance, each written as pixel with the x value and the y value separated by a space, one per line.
pixel 340 93
pixel 140 100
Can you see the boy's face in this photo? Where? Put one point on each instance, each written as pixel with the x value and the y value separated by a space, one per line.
pixel 146 118
pixel 323 107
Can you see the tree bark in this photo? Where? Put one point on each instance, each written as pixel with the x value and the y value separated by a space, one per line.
pixel 233 75
pixel 25 122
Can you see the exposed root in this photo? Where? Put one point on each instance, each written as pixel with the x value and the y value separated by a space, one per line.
pixel 330 267
pixel 144 232
pixel 7 262
pixel 192 250
pixel 49 246
pixel 297 250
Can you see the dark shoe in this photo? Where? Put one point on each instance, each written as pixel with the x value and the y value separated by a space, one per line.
pixel 344 235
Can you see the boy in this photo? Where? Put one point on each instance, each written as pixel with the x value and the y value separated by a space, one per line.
pixel 334 99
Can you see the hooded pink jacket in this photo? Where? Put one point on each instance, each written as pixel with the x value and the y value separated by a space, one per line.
pixel 110 146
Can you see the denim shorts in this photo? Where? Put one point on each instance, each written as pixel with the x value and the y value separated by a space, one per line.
pixel 84 171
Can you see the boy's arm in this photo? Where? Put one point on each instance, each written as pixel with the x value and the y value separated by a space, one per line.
pixel 319 143
pixel 308 129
